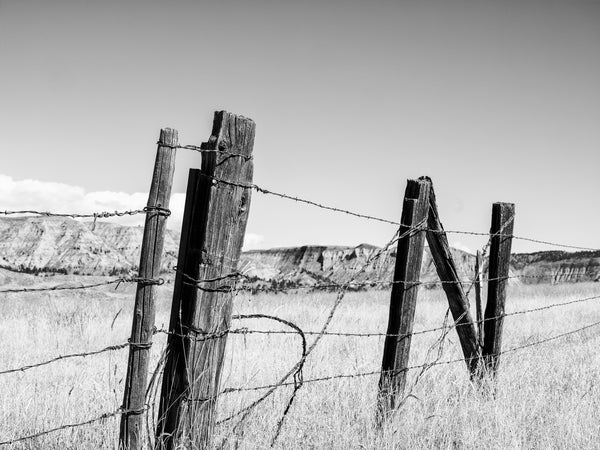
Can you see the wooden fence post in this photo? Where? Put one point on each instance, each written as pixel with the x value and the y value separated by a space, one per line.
pixel 130 436
pixel 478 301
pixel 503 215
pixel 451 283
pixel 213 229
pixel 403 299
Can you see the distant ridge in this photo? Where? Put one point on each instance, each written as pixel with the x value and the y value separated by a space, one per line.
pixel 64 245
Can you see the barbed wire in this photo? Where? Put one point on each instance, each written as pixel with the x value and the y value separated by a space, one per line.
pixel 521 238
pixel 255 285
pixel 400 233
pixel 199 149
pixel 266 191
pixel 266 289
pixel 230 390
pixel 110 348
pixel 419 366
pixel 96 215
pixel 216 181
pixel 100 418
pixel 62 287
pixel 201 336
pixel 262 190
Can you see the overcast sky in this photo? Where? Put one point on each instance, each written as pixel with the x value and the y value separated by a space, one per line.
pixel 494 100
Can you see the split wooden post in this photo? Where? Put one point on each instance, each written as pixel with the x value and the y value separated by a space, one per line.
pixel 451 283
pixel 157 211
pixel 503 215
pixel 214 224
pixel 478 301
pixel 404 296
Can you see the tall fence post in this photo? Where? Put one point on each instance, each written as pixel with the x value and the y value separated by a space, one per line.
pixel 157 211
pixel 503 215
pixel 403 299
pixel 452 286
pixel 214 224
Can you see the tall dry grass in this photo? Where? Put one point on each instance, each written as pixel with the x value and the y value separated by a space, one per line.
pixel 545 396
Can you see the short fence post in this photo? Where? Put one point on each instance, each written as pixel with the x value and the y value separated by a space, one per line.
pixel 213 229
pixel 478 301
pixel 134 396
pixel 503 215
pixel 403 299
pixel 452 286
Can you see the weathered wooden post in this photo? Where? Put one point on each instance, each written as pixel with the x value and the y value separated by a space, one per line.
pixel 403 299
pixel 451 283
pixel 157 212
pixel 214 223
pixel 503 215
pixel 478 301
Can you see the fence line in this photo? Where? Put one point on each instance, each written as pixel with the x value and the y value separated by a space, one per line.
pixel 334 285
pixel 342 288
pixel 259 289
pixel 284 383
pixel 230 390
pixel 257 188
pixel 262 190
pixel 202 335
pixel 244 412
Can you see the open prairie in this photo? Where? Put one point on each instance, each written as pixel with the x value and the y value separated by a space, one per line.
pixel 546 396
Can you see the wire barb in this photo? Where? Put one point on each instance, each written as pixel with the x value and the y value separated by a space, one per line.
pixel 95 215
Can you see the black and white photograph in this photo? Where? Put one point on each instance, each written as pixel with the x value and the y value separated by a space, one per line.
pixel 299 224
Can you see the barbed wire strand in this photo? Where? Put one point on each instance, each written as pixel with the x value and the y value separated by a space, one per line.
pixel 419 366
pixel 62 287
pixel 110 348
pixel 298 376
pixel 396 237
pixel 100 418
pixel 262 190
pixel 365 284
pixel 246 331
pixel 97 215
pixel 199 149
pixel 312 380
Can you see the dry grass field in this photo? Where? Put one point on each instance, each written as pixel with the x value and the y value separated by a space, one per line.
pixel 547 396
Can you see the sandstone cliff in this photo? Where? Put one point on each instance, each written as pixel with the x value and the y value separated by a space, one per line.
pixel 311 264
pixel 39 244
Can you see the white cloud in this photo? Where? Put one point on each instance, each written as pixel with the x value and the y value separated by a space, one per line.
pixel 252 240
pixel 18 195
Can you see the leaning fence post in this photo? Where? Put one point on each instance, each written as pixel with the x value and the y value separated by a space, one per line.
pixel 452 285
pixel 503 215
pixel 157 211
pixel 403 299
pixel 216 212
